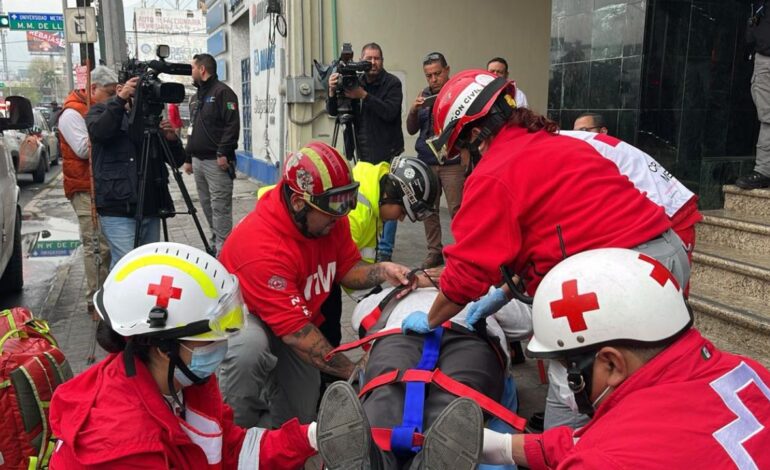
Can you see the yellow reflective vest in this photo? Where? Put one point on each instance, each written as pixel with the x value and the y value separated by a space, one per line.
pixel 365 223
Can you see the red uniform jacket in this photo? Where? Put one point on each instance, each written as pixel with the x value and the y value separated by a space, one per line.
pixel 526 185
pixel 104 419
pixel 690 407
pixel 285 277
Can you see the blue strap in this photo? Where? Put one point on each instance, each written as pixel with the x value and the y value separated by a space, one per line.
pixel 414 399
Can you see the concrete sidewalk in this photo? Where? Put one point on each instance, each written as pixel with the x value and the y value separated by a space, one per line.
pixel 65 306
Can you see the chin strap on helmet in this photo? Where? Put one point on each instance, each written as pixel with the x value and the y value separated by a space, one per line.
pixel 579 374
pixel 490 125
pixel 300 216
pixel 171 348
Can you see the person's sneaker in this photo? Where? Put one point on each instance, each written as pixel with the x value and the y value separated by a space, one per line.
pixel 536 423
pixel 432 260
pixel 455 438
pixel 382 257
pixel 344 436
pixel 753 181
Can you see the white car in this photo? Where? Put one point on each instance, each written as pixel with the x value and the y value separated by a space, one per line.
pixel 11 271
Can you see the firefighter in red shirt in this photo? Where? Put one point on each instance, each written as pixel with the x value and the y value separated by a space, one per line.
pixel 167 310
pixel 661 395
pixel 287 254
pixel 532 200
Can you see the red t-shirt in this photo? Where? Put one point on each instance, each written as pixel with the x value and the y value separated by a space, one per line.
pixel 526 186
pixel 285 276
pixel 692 406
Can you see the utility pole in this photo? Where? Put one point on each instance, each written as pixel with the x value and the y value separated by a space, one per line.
pixel 67 55
pixel 3 32
pixel 114 28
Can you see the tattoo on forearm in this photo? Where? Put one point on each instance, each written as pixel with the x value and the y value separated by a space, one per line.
pixel 313 347
pixel 370 276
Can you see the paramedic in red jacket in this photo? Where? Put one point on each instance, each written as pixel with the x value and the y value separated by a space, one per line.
pixel 167 310
pixel 534 198
pixel 661 395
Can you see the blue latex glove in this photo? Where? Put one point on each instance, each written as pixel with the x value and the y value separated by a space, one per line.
pixel 485 307
pixel 416 321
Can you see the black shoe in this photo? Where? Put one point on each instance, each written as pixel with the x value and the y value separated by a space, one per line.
pixel 382 257
pixel 344 436
pixel 535 424
pixel 455 438
pixel 753 181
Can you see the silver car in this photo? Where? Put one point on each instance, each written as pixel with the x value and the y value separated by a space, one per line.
pixel 33 150
pixel 11 271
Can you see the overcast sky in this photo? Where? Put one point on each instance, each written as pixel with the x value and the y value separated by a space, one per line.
pixel 16 41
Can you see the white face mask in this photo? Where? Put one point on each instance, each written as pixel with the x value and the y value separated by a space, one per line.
pixel 601 396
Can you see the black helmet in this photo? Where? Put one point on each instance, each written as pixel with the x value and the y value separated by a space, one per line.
pixel 412 184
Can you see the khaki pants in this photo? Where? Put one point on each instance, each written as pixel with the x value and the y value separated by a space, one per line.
pixel 451 180
pixel 81 202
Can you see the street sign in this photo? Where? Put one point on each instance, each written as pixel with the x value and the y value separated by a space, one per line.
pixel 4 23
pixel 36 21
pixel 80 24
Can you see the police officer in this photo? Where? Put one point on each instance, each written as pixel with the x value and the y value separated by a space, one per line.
pixel 211 146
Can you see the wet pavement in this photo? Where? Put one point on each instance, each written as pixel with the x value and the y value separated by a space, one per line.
pixel 55 276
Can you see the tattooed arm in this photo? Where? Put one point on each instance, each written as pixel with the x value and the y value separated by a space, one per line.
pixel 367 276
pixel 311 346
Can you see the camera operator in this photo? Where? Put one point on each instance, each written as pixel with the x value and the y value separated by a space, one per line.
pixel 211 146
pixel 376 122
pixel 116 160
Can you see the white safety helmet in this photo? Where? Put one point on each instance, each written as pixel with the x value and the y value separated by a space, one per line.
pixel 171 291
pixel 605 296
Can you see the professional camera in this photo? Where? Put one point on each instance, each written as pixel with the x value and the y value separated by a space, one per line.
pixel 351 75
pixel 152 93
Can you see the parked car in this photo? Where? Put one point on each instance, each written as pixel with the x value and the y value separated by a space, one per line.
pixel 11 269
pixel 36 148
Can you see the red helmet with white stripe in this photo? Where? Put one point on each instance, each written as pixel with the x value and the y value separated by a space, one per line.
pixel 467 97
pixel 322 177
pixel 605 296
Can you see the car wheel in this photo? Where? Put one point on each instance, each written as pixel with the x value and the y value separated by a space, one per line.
pixel 42 167
pixel 13 277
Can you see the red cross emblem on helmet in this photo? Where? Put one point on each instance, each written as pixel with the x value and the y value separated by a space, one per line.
pixel 164 291
pixel 573 305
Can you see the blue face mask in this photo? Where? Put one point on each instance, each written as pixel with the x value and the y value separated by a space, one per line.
pixel 205 361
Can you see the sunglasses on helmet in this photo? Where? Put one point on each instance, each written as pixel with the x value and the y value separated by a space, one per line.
pixel 336 202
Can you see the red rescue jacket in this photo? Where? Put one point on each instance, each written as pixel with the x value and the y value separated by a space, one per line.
pixel 104 419
pixel 692 406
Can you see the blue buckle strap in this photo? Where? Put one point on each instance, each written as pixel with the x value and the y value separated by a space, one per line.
pixel 414 398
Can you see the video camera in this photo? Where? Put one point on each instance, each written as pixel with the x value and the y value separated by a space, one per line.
pixel 152 93
pixel 351 75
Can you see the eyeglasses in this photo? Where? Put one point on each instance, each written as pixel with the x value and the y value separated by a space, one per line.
pixel 433 57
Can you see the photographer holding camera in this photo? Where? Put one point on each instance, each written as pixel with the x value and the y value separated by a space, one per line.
pixel 211 146
pixel 376 111
pixel 117 178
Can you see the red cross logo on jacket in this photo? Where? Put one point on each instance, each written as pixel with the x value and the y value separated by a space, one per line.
pixel 574 305
pixel 164 291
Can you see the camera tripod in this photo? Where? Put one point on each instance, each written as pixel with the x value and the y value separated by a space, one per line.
pixel 152 141
pixel 344 119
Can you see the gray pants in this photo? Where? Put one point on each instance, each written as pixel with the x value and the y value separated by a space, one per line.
pixel 215 191
pixel 760 92
pixel 265 382
pixel 466 358
pixel 81 202
pixel 670 251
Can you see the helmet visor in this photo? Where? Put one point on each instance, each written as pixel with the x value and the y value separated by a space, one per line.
pixel 336 202
pixel 229 316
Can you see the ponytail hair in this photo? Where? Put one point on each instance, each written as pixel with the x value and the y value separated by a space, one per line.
pixel 531 121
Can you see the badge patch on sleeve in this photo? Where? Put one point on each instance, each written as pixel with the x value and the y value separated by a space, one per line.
pixel 232 105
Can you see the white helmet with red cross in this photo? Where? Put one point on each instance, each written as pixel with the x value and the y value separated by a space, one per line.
pixel 605 296
pixel 171 291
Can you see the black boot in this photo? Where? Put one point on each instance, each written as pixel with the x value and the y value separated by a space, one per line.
pixel 455 439
pixel 344 436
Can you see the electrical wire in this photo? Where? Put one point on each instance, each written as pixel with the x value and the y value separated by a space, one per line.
pixel 278 25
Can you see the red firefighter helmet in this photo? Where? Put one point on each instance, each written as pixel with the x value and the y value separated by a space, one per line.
pixel 466 97
pixel 323 178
